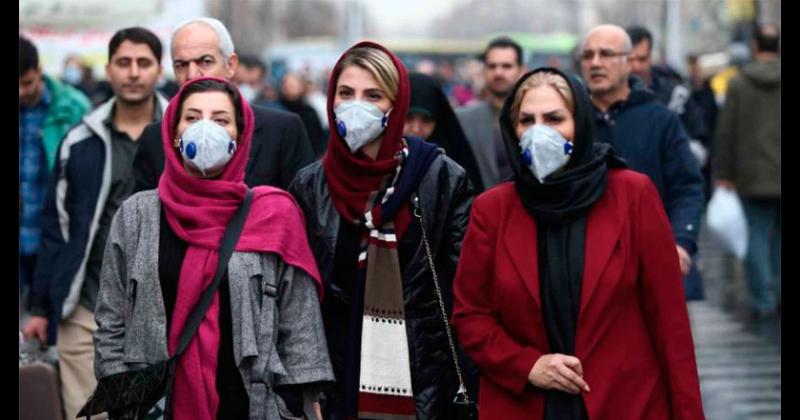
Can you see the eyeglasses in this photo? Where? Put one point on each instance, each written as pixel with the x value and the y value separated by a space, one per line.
pixel 604 54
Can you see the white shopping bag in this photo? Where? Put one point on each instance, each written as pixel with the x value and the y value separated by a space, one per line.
pixel 699 151
pixel 726 220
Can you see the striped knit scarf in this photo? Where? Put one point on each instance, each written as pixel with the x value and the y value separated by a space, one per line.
pixel 377 377
pixel 385 372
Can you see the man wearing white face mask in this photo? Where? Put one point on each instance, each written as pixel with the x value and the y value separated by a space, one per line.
pixel 249 77
pixel 91 180
pixel 73 71
pixel 203 47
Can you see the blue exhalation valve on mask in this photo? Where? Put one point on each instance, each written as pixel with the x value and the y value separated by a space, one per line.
pixel 526 156
pixel 206 146
pixel 544 150
pixel 359 123
pixel 191 150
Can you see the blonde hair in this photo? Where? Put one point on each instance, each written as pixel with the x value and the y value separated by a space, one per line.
pixel 543 78
pixel 378 64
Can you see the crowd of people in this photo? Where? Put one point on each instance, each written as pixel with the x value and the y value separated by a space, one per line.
pixel 378 249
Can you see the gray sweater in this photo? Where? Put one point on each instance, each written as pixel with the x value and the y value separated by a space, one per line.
pixel 275 342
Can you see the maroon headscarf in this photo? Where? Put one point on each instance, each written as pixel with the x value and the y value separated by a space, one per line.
pixel 353 176
pixel 198 211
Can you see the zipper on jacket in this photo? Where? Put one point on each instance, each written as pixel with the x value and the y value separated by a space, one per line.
pixel 608 119
pixel 268 288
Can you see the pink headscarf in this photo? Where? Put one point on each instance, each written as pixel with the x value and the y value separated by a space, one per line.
pixel 198 211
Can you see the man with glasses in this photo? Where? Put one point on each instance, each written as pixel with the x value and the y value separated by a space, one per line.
pixel 644 132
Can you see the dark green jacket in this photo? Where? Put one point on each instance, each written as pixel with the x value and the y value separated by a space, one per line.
pixel 748 144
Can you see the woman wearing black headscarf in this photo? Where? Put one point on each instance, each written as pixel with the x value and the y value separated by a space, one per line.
pixel 568 294
pixel 431 118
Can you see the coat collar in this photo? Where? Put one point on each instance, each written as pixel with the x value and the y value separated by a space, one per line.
pixel 603 230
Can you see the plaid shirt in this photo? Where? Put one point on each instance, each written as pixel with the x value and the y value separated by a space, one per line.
pixel 33 172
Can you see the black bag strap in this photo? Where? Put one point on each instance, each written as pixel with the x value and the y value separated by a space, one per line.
pixel 229 240
pixel 462 397
pixel 232 233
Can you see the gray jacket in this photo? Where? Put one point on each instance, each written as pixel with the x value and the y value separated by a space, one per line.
pixel 276 340
pixel 476 120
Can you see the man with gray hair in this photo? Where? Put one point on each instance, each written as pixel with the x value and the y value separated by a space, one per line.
pixel 644 132
pixel 203 47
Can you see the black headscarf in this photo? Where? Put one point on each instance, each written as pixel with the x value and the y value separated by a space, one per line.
pixel 428 99
pixel 311 122
pixel 560 207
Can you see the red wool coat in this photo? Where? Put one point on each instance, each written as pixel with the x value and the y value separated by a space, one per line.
pixel 633 337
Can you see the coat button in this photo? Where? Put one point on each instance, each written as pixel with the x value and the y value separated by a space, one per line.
pixel 690 227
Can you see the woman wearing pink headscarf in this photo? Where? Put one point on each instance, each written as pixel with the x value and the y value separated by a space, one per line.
pixel 260 351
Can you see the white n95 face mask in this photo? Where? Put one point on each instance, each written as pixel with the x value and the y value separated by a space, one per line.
pixel 248 92
pixel 544 150
pixel 72 75
pixel 359 123
pixel 206 146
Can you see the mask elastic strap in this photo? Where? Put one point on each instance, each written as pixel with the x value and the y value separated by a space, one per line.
pixel 385 119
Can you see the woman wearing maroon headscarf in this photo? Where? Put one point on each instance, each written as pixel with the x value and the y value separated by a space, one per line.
pixel 387 339
pixel 260 351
